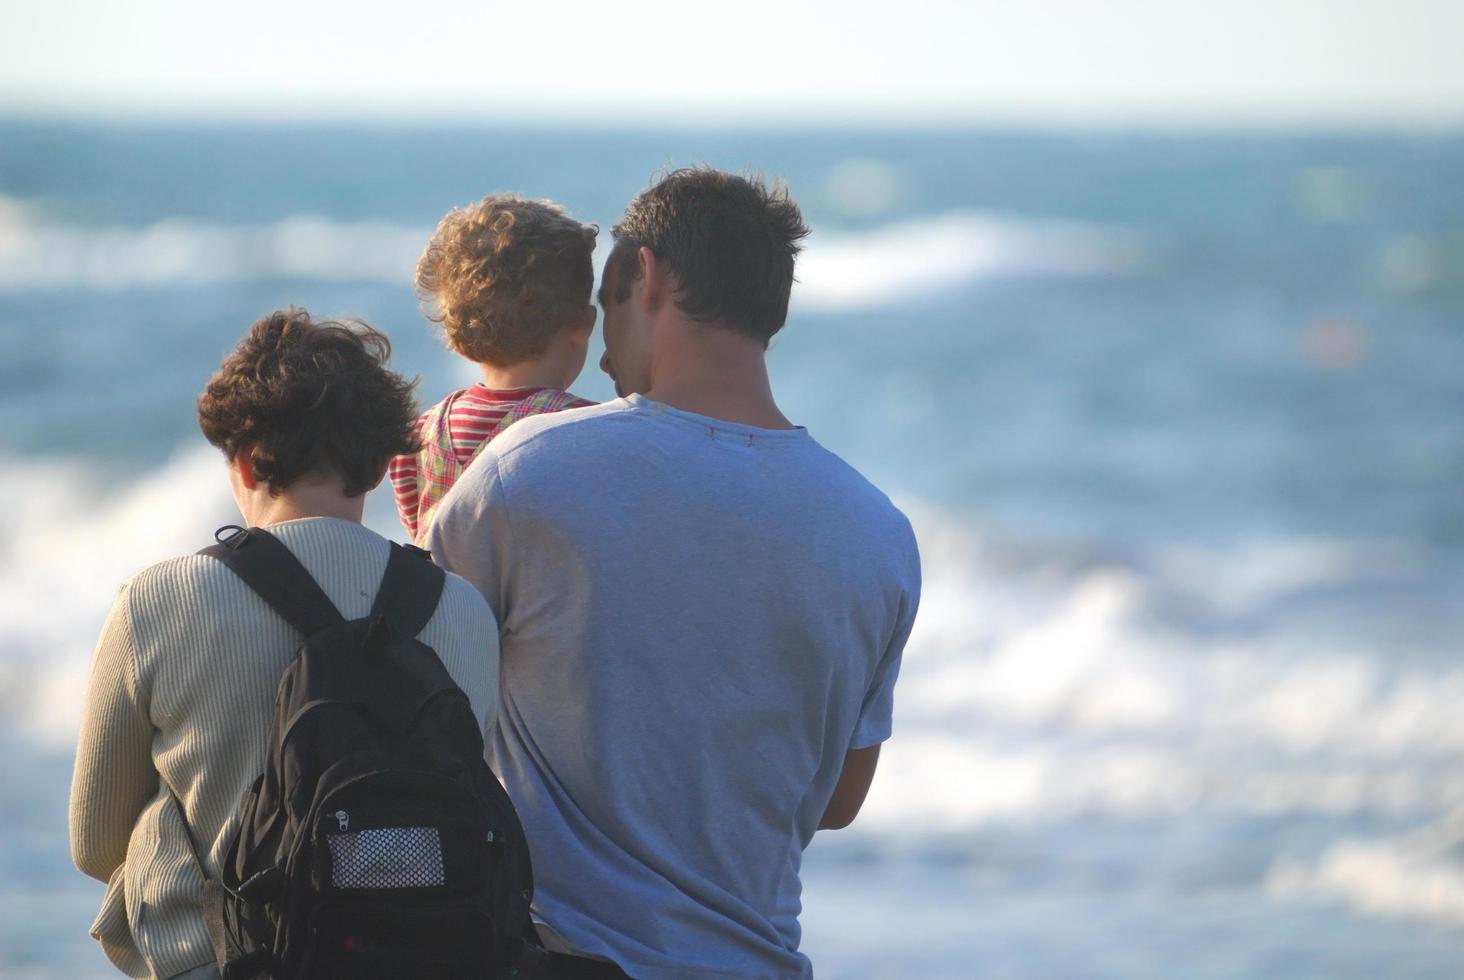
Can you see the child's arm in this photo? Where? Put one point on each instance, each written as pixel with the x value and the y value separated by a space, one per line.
pixel 403 476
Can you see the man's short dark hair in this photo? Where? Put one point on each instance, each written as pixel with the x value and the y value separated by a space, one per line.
pixel 730 241
pixel 310 398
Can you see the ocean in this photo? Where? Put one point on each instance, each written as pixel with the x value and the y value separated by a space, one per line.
pixel 1178 417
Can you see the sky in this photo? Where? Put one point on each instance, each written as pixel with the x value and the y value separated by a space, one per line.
pixel 916 61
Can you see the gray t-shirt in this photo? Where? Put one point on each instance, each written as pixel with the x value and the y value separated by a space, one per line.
pixel 698 620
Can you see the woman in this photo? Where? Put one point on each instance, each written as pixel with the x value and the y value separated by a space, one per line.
pixel 183 682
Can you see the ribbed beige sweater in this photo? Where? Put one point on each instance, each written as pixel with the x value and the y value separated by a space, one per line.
pixel 182 686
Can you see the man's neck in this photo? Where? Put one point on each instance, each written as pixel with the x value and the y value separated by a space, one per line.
pixel 716 372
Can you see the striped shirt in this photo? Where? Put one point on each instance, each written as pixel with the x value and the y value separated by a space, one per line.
pixel 476 414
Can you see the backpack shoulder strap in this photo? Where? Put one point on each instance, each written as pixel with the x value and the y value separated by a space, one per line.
pixel 435 421
pixel 268 567
pixel 410 589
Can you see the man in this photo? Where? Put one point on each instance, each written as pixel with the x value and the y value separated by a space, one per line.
pixel 702 611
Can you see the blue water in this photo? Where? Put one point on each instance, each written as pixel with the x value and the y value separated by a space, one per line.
pixel 1178 418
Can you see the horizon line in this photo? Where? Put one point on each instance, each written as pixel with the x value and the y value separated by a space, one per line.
pixel 442 116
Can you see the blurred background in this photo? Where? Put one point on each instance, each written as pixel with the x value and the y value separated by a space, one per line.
pixel 1150 316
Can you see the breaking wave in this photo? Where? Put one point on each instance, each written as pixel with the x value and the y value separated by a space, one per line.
pixel 1029 690
pixel 895 261
pixel 835 272
pixel 1416 876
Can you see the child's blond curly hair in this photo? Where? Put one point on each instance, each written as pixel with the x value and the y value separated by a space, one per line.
pixel 504 274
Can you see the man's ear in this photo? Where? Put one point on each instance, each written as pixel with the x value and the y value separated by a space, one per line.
pixel 653 273
pixel 244 465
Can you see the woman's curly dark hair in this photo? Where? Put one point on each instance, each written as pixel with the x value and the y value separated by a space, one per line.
pixel 309 398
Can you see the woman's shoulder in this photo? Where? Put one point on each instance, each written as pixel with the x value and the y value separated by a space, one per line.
pixel 189 592
pixel 201 585
pixel 194 579
pixel 176 577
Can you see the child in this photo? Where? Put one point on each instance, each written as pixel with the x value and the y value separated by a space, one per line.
pixel 509 281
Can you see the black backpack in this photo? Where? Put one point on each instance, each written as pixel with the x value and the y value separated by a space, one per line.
pixel 377 842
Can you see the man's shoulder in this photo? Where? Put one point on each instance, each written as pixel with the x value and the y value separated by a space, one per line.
pixel 586 414
pixel 529 437
pixel 869 521
pixel 852 485
pixel 543 447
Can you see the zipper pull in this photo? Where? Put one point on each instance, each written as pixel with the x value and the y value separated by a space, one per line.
pixel 344 819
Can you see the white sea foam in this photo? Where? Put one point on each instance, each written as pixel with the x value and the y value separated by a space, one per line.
pixel 897 261
pixel 71 536
pixel 1030 695
pixel 1030 692
pixel 70 539
pixel 1417 876
pixel 1018 698
pixel 177 251
pixel 835 272
pixel 1026 692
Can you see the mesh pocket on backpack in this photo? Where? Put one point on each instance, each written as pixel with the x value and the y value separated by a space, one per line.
pixel 387 857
